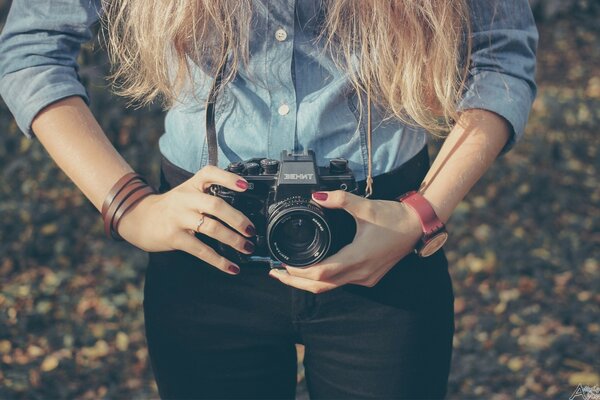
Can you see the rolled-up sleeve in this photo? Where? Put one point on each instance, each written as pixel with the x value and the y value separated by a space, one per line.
pixel 502 66
pixel 39 46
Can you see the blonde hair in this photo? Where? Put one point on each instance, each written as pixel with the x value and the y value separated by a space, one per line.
pixel 410 52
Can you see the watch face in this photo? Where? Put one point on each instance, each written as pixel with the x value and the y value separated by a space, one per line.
pixel 434 244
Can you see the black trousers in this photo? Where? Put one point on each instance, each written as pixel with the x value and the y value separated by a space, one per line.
pixel 214 335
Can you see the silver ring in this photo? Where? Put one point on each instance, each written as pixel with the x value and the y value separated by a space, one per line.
pixel 200 222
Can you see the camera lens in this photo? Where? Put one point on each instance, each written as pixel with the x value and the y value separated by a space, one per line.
pixel 297 233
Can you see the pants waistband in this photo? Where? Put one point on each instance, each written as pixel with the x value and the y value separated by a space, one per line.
pixel 386 186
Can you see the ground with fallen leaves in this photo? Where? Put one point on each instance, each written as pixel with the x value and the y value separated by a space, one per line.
pixel 524 251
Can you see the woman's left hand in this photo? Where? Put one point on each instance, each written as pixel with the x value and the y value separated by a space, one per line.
pixel 386 231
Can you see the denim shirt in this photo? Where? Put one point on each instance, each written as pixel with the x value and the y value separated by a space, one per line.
pixel 291 96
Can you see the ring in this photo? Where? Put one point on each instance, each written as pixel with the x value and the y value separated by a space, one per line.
pixel 200 222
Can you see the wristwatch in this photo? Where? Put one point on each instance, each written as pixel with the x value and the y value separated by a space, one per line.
pixel 434 231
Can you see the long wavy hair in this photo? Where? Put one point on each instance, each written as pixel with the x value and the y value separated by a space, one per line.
pixel 411 53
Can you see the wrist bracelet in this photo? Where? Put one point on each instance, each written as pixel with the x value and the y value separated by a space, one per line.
pixel 117 187
pixel 117 203
pixel 128 190
pixel 127 204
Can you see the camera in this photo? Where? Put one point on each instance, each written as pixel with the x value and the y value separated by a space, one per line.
pixel 290 227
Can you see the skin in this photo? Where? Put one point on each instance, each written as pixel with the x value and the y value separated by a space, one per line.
pixel 468 151
pixel 162 222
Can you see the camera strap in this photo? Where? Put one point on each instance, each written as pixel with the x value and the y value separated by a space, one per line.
pixel 211 132
pixel 369 182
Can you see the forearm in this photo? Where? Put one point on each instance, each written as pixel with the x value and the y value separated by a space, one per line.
pixel 467 153
pixel 71 135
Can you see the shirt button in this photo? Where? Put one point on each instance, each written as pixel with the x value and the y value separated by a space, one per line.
pixel 283 109
pixel 280 34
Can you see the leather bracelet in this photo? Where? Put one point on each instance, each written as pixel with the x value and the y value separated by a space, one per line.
pixel 117 188
pixel 117 202
pixel 128 204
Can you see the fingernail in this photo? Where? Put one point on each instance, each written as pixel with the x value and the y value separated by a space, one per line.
pixel 319 196
pixel 272 275
pixel 249 246
pixel 242 184
pixel 250 230
pixel 234 268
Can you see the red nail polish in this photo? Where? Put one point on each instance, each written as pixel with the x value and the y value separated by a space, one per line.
pixel 234 268
pixel 242 184
pixel 250 230
pixel 322 196
pixel 249 247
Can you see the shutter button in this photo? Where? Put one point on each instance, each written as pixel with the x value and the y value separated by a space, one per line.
pixel 280 34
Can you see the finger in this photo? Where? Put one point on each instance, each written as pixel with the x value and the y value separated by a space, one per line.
pixel 211 175
pixel 301 283
pixel 215 229
pixel 347 256
pixel 332 268
pixel 317 272
pixel 190 244
pixel 339 199
pixel 207 204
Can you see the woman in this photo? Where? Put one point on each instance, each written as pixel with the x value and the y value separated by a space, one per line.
pixel 366 81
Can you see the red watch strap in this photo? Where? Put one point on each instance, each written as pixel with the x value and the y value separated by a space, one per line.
pixel 430 222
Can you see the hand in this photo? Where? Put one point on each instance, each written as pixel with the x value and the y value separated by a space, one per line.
pixel 167 221
pixel 386 231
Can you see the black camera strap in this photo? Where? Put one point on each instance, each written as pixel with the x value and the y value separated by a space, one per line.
pixel 211 132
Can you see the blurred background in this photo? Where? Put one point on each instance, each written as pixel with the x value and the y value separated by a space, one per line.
pixel 524 248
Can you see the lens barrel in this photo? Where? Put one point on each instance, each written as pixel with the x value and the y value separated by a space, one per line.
pixel 297 232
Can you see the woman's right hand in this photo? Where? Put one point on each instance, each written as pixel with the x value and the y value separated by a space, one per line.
pixel 167 221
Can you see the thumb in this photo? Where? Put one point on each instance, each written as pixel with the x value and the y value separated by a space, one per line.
pixel 339 199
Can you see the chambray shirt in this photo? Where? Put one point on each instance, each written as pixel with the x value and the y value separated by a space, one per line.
pixel 291 96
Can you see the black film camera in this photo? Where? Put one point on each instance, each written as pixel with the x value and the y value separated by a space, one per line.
pixel 290 227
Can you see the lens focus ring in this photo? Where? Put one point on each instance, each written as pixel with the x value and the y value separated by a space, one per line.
pixel 297 232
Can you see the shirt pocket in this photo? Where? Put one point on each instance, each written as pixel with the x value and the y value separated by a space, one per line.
pixel 388 138
pixel 362 126
pixel 197 104
pixel 197 108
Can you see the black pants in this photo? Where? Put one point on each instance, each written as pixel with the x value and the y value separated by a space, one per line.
pixel 214 335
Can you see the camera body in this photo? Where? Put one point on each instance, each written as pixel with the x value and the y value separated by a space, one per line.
pixel 290 227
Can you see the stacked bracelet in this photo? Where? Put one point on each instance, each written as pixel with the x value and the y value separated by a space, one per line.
pixel 127 191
